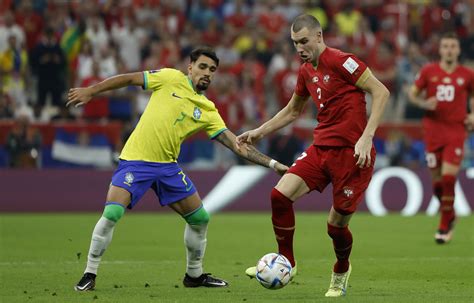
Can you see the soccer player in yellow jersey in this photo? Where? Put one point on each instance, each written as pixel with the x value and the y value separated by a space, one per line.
pixel 176 110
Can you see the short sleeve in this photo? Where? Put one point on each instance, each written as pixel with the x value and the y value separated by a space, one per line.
pixel 420 79
pixel 216 125
pixel 300 88
pixel 155 79
pixel 350 67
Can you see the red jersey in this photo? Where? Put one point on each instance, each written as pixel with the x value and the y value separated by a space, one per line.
pixel 452 90
pixel 341 115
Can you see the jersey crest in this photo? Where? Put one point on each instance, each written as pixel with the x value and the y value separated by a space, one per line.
pixel 348 191
pixel 197 113
pixel 129 178
pixel 446 80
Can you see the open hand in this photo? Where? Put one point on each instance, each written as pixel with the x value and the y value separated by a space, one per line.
pixel 78 96
pixel 362 151
pixel 249 137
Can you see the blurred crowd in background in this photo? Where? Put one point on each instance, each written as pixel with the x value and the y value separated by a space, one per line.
pixel 48 46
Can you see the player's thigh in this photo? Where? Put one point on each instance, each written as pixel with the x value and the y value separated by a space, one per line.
pixel 119 195
pixel 175 187
pixel 450 169
pixel 187 205
pixel 452 156
pixel 349 180
pixel 134 178
pixel 305 175
pixel 292 186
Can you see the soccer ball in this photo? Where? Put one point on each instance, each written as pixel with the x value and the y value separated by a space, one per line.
pixel 273 271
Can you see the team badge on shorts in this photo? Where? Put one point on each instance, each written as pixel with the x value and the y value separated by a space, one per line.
pixel 197 113
pixel 129 179
pixel 348 192
pixel 458 151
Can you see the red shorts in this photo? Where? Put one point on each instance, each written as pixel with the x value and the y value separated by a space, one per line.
pixel 320 165
pixel 451 152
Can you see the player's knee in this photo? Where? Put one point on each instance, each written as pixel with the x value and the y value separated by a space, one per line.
pixel 113 212
pixel 345 211
pixel 197 217
pixel 279 200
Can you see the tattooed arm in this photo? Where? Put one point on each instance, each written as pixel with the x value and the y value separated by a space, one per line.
pixel 249 152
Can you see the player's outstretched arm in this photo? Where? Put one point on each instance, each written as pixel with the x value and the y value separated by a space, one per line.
pixel 82 95
pixel 414 98
pixel 380 96
pixel 284 117
pixel 228 139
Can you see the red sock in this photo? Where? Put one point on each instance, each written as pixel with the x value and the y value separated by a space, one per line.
pixel 342 242
pixel 447 202
pixel 283 218
pixel 438 189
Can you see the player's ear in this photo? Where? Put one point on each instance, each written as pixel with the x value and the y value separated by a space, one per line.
pixel 190 67
pixel 319 36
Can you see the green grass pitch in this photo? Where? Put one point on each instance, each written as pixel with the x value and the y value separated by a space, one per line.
pixel 394 259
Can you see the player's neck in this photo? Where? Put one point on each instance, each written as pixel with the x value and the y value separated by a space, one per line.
pixel 448 66
pixel 194 87
pixel 315 62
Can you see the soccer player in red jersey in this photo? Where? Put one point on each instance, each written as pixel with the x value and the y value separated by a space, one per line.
pixel 447 85
pixel 342 152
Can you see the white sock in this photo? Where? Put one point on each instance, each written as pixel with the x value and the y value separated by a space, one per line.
pixel 195 241
pixel 101 237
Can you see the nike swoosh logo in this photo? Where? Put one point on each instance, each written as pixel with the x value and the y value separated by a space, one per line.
pixel 220 283
pixel 189 188
pixel 176 96
pixel 83 287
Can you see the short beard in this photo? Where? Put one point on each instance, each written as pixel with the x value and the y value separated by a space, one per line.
pixel 202 87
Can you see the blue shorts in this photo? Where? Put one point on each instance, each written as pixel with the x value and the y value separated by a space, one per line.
pixel 167 180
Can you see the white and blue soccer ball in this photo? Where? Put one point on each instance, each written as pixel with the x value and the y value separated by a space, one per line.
pixel 273 271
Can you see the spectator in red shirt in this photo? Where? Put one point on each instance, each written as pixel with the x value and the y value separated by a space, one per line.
pixel 99 109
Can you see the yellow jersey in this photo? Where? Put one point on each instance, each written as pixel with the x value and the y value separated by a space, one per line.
pixel 174 112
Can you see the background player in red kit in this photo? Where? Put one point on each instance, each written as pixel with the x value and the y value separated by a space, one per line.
pixel 342 152
pixel 448 86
